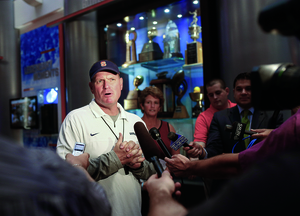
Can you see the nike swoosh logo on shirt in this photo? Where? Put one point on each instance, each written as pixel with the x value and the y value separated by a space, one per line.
pixel 93 134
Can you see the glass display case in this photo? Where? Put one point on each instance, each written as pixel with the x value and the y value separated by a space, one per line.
pixel 164 46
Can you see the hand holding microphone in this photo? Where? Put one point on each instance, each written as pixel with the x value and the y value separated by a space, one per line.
pixel 261 134
pixel 178 141
pixel 196 152
pixel 193 149
pixel 237 130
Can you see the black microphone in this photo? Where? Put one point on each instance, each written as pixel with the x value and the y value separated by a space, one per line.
pixel 150 150
pixel 178 141
pixel 238 130
pixel 156 136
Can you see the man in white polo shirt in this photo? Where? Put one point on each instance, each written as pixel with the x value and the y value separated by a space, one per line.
pixel 116 160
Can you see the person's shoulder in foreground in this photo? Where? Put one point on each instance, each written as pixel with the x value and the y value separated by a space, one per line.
pixel 39 182
pixel 284 138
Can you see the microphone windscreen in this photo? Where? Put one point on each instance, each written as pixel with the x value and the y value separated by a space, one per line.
pixel 154 133
pixel 172 136
pixel 146 142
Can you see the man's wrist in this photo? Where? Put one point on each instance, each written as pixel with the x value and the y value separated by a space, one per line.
pixel 160 193
pixel 141 166
pixel 203 154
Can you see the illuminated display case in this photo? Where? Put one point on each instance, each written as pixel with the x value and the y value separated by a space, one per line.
pixel 157 44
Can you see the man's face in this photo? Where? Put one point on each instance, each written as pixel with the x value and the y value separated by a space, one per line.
pixel 218 96
pixel 106 88
pixel 242 93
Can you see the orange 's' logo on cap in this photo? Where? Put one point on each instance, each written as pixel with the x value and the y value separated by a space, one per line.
pixel 103 64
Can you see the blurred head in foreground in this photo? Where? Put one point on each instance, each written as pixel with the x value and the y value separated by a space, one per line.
pixel 39 182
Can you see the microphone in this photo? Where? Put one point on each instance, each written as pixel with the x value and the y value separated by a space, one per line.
pixel 148 146
pixel 238 130
pixel 178 141
pixel 156 136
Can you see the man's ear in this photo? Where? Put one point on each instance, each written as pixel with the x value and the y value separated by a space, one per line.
pixel 227 90
pixel 121 80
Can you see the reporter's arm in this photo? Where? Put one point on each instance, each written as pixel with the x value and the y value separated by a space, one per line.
pixel 221 166
pixel 104 166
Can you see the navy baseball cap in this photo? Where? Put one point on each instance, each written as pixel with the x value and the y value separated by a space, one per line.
pixel 103 65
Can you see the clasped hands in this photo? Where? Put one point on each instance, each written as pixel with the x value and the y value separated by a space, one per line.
pixel 129 153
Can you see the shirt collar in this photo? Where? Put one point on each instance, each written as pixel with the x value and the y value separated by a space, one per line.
pixel 241 109
pixel 98 112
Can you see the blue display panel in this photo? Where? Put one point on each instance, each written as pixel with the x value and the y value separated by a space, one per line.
pixel 40 73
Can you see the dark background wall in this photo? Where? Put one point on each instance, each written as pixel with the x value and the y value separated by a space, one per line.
pixel 243 43
pixel 10 75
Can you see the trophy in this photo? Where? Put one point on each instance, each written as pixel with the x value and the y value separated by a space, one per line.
pixel 193 53
pixel 151 50
pixel 197 96
pixel 179 86
pixel 132 99
pixel 130 49
pixel 171 41
pixel 165 85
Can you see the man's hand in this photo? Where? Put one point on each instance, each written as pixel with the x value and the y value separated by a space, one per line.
pixel 81 160
pixel 261 134
pixel 196 152
pixel 136 161
pixel 129 153
pixel 179 165
pixel 164 184
pixel 160 191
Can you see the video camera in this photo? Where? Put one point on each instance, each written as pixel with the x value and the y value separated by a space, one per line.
pixel 277 86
